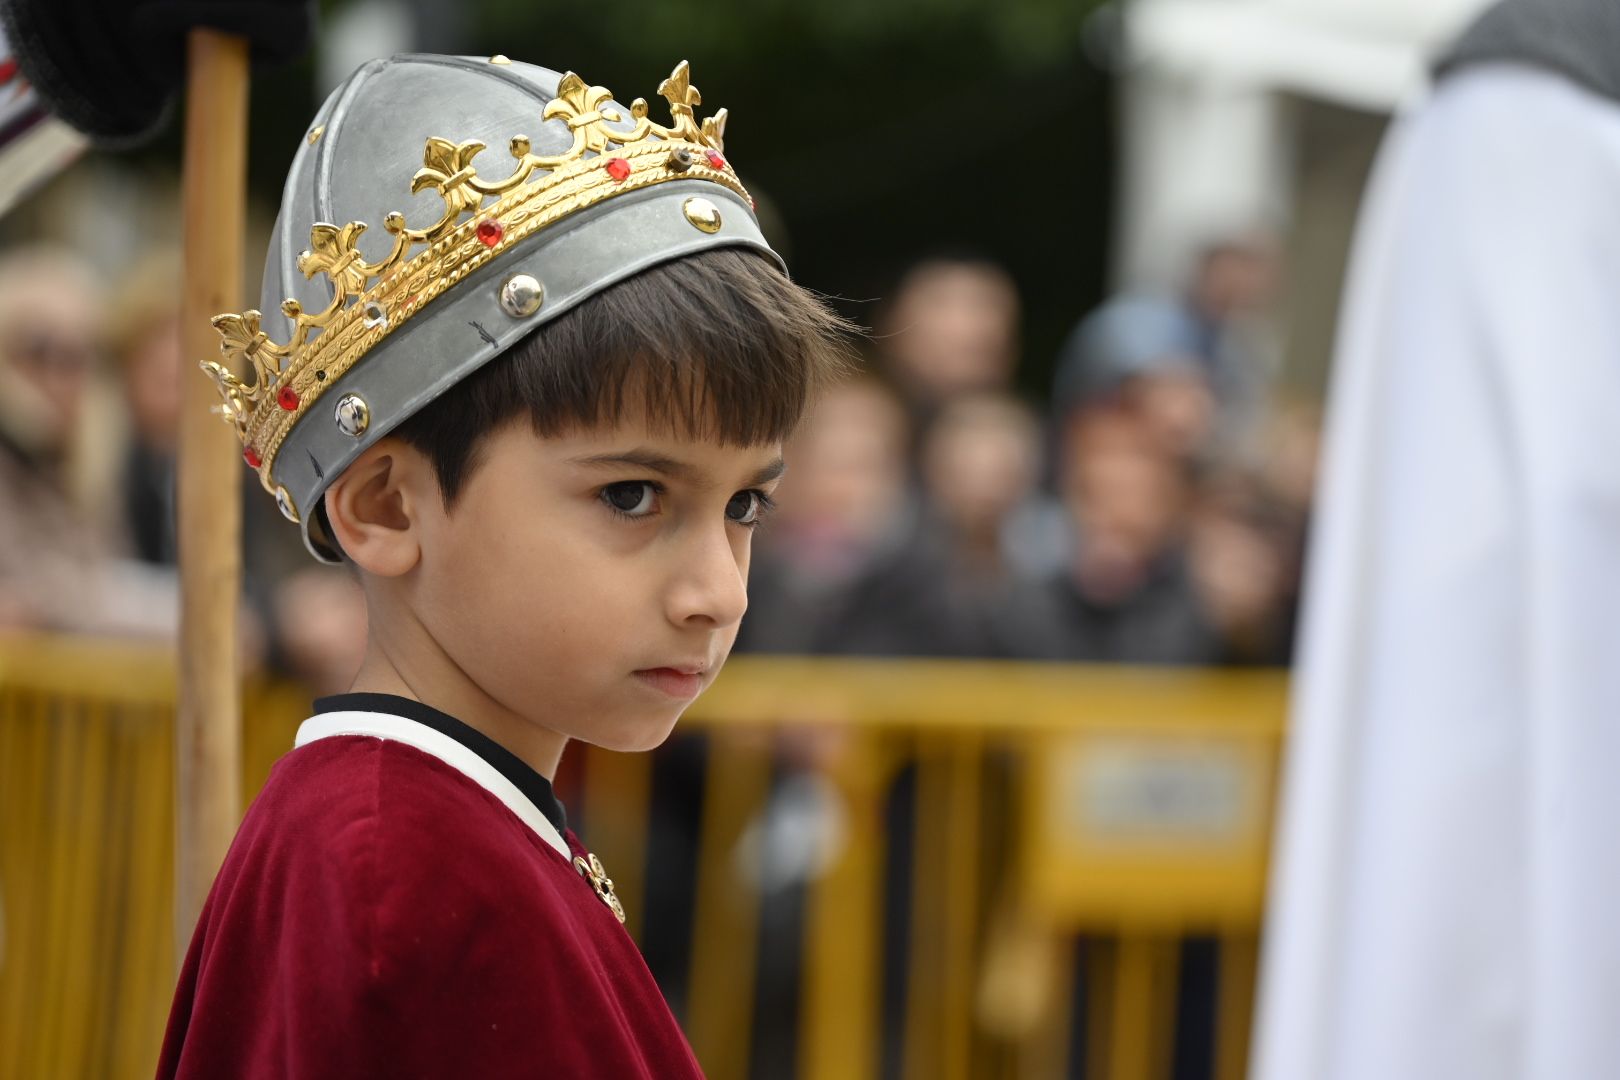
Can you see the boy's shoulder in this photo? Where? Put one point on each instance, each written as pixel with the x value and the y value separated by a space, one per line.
pixel 402 919
pixel 389 854
pixel 355 804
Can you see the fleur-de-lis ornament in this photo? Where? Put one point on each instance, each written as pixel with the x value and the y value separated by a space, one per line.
pixel 243 341
pixel 683 97
pixel 240 335
pixel 580 107
pixel 447 166
pixel 332 252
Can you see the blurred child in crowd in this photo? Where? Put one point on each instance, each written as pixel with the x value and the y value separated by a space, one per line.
pixel 1127 593
pixel 980 463
pixel 956 586
pixel 844 503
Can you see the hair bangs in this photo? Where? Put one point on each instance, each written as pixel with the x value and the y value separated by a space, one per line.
pixel 719 346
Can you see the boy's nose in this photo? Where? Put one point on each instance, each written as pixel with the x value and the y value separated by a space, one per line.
pixel 711 584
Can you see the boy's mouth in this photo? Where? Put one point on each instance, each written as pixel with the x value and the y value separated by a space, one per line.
pixel 676 682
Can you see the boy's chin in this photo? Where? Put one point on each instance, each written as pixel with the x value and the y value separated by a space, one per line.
pixel 633 733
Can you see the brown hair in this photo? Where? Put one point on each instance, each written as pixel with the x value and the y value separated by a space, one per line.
pixel 719 345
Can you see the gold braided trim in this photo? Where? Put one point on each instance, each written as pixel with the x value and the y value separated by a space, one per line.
pixel 447 262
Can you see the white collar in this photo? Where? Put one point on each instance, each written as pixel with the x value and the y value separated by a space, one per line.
pixel 435 744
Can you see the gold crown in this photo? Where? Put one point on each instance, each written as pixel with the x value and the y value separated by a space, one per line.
pixel 289 378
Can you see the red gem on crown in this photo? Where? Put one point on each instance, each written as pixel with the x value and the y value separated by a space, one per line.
pixel 619 169
pixel 490 232
pixel 251 456
pixel 715 159
pixel 288 398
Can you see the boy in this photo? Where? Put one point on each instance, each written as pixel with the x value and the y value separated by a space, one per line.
pixel 541 426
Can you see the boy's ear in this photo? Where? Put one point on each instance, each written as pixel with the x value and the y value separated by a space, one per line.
pixel 374 508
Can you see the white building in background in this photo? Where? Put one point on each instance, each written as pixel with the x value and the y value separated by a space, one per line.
pixel 1209 129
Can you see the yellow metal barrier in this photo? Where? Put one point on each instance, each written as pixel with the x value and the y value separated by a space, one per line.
pixel 87 955
pixel 1046 801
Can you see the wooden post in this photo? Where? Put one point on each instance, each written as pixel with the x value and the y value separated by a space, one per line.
pixel 208 740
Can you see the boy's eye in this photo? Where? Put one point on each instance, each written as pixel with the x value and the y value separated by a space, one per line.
pixel 747 507
pixel 632 498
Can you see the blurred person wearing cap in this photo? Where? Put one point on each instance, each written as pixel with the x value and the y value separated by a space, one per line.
pixel 1197 365
pixel 62 564
pixel 1142 351
pixel 1446 875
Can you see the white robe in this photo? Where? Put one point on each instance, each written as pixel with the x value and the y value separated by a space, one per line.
pixel 1445 897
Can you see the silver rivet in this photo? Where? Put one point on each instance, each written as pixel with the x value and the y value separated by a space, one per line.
pixel 353 415
pixel 285 502
pixel 374 315
pixel 703 214
pixel 521 295
pixel 680 159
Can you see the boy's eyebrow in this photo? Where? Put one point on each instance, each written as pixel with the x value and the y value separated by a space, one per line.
pixel 771 472
pixel 668 466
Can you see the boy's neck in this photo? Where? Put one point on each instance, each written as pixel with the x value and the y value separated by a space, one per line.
pixel 435 680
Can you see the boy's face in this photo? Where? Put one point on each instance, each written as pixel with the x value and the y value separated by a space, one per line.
pixel 592 583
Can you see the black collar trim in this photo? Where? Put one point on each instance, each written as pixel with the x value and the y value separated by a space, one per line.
pixel 535 788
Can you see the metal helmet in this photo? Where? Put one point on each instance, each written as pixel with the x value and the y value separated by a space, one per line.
pixel 507 193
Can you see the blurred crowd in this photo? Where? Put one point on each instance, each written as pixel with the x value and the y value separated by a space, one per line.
pixel 1152 510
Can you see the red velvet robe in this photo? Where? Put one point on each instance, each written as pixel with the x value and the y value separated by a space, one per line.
pixel 380 913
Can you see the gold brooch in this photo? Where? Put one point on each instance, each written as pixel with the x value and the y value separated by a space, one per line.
pixel 592 871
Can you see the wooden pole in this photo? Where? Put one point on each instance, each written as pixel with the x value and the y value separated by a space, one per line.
pixel 208 799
